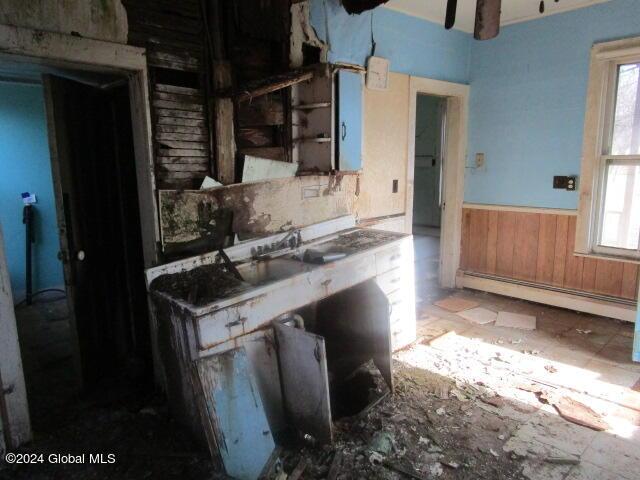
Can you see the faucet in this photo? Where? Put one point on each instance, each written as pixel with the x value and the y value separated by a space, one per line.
pixel 293 239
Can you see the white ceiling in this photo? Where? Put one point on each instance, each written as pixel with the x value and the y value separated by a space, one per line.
pixel 513 11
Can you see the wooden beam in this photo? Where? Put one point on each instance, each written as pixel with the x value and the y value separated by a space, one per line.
pixel 258 88
pixel 487 19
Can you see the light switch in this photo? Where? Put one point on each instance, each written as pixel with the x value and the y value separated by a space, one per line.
pixel 479 160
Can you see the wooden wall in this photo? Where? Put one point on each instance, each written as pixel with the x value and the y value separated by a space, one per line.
pixel 172 33
pixel 538 247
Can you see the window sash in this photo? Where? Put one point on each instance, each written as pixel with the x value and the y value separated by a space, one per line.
pixel 597 139
pixel 598 224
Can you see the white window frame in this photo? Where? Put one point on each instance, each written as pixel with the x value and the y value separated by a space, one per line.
pixel 598 131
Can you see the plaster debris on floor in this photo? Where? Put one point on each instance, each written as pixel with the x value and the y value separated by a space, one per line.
pixel 473 402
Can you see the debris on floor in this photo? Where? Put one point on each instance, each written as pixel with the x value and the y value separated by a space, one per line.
pixel 417 434
pixel 516 320
pixel 579 413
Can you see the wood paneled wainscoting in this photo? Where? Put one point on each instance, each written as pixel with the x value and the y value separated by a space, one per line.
pixel 535 247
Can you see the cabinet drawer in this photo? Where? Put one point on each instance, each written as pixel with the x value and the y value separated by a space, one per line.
pixel 389 259
pixel 390 281
pixel 400 305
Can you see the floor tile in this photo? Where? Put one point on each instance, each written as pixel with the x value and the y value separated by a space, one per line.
pixel 615 454
pixel 608 373
pixel 589 471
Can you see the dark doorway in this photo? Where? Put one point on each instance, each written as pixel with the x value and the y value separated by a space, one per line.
pixel 95 185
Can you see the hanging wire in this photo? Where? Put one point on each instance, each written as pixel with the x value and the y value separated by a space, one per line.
pixel 373 41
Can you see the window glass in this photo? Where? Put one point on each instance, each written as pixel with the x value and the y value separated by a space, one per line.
pixel 626 122
pixel 621 208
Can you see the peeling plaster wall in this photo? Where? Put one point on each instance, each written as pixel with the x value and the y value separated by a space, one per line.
pixel 414 47
pixel 258 208
pixel 96 19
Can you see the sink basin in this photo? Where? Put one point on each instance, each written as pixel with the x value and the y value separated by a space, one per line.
pixel 264 271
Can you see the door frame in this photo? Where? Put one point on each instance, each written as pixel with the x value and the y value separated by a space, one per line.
pixel 453 168
pixel 65 51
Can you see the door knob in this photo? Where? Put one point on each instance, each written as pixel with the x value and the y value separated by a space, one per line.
pixel 80 255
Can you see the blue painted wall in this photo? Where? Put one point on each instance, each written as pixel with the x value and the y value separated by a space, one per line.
pixel 528 93
pixel 414 46
pixel 25 166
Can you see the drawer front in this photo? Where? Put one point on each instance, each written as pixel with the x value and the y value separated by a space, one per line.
pixel 389 259
pixel 391 281
pixel 401 307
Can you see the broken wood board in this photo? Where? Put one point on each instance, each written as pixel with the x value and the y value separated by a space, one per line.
pixel 258 169
pixel 258 208
pixel 516 320
pixel 456 304
pixel 233 403
pixel 576 412
pixel 261 87
pixel 479 315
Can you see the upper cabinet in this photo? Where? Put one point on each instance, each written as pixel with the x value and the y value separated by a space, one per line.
pixel 327 120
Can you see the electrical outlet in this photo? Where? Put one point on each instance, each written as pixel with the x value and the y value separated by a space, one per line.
pixel 565 183
pixel 479 160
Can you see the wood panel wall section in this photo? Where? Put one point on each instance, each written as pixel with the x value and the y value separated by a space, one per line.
pixel 173 35
pixel 538 248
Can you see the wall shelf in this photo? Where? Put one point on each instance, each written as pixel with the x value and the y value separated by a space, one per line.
pixel 313 139
pixel 312 106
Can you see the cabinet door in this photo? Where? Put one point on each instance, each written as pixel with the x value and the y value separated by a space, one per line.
pixel 305 382
pixel 349 120
pixel 237 420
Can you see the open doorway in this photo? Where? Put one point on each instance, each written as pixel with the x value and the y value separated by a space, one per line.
pixel 427 178
pixel 81 308
pixel 429 155
pixel 437 138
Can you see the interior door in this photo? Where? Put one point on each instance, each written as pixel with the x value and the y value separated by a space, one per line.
pixel 305 382
pixel 349 120
pixel 93 167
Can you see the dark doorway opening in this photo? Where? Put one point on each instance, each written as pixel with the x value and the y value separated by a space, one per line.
pixel 94 175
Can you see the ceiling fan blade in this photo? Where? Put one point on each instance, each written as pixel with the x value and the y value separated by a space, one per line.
pixel 487 19
pixel 450 17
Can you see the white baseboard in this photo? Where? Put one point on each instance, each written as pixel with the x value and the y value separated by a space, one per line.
pixel 547 296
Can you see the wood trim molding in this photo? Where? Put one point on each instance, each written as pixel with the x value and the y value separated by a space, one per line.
pixel 14 409
pixel 455 152
pixel 513 208
pixel 545 296
pixel 66 48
